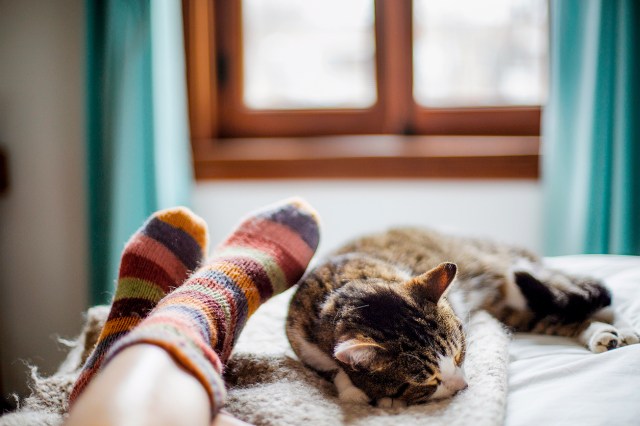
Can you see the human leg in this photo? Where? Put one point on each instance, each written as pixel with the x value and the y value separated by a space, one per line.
pixel 198 323
pixel 157 258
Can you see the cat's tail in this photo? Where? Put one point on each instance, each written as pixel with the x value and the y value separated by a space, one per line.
pixel 564 299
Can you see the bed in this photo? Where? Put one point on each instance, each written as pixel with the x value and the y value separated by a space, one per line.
pixel 519 379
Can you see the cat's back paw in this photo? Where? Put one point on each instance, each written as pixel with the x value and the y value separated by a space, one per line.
pixel 628 336
pixel 604 341
pixel 390 403
pixel 602 337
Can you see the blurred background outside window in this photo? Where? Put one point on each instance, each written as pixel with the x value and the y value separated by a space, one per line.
pixel 466 53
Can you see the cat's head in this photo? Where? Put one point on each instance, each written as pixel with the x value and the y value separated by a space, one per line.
pixel 402 341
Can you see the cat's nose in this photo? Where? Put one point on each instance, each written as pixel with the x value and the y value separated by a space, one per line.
pixel 458 384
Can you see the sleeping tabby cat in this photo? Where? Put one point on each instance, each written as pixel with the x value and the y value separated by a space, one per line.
pixel 383 316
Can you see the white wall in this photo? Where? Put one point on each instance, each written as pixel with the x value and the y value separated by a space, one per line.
pixel 504 210
pixel 42 237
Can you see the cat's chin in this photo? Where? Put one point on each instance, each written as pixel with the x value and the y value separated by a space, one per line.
pixel 437 399
pixel 443 393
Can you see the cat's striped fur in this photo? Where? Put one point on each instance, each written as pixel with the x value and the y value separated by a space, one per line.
pixel 382 315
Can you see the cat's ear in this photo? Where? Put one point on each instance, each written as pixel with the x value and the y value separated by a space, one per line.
pixel 356 352
pixel 433 284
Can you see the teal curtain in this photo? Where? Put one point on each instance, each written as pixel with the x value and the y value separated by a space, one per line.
pixel 139 158
pixel 591 129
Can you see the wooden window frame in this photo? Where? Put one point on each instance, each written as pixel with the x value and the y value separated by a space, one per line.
pixel 228 138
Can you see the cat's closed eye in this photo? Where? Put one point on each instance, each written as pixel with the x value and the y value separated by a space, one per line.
pixel 419 394
pixel 434 381
pixel 401 390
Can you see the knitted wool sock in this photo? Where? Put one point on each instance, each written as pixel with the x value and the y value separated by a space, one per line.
pixel 199 322
pixel 157 258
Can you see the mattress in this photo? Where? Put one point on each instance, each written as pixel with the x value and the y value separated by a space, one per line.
pixel 551 380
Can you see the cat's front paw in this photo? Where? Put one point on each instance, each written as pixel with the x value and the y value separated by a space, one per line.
pixel 390 403
pixel 604 340
pixel 628 336
pixel 602 337
pixel 353 395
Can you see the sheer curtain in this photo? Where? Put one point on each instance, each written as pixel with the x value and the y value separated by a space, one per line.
pixel 591 128
pixel 139 158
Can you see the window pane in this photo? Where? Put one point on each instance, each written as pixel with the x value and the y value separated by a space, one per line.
pixel 308 54
pixel 480 53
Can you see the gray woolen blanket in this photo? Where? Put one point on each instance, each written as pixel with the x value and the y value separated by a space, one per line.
pixel 269 386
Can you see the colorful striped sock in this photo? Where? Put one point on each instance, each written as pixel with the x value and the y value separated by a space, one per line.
pixel 157 258
pixel 199 322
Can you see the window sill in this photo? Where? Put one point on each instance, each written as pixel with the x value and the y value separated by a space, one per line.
pixel 379 156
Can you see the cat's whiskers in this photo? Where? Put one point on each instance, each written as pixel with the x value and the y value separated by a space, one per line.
pixel 420 361
pixel 413 379
pixel 353 308
pixel 412 356
pixel 346 310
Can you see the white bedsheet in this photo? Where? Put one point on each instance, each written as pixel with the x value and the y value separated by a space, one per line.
pixel 555 381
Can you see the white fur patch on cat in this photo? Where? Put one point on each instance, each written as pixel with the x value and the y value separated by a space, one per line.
pixel 606 314
pixel 600 337
pixel 311 354
pixel 452 376
pixel 347 392
pixel 628 336
pixel 513 296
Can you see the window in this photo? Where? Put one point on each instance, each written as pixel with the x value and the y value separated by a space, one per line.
pixel 468 53
pixel 302 55
pixel 302 71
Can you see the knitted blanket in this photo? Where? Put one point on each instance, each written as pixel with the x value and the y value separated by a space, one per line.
pixel 269 386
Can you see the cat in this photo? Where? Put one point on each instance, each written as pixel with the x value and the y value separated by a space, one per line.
pixel 383 316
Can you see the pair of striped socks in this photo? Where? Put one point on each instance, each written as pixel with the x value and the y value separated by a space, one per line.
pixel 165 296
